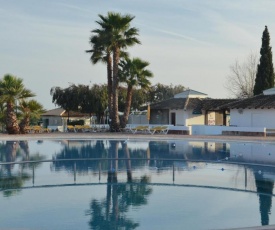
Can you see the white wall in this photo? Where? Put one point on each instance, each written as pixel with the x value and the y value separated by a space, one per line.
pixel 194 119
pixel 179 116
pixel 217 130
pixel 186 117
pixel 253 118
pixel 138 119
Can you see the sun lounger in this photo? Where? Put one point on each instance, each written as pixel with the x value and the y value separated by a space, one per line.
pixel 70 128
pixel 158 129
pixel 34 129
pixel 142 129
pixel 83 128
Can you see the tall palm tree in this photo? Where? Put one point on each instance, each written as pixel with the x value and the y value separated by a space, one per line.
pixel 133 72
pixel 12 89
pixel 113 37
pixel 29 109
pixel 101 52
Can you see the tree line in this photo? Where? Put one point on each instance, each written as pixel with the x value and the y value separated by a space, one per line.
pixel 93 100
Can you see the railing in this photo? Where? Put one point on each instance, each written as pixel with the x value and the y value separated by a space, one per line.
pixel 110 171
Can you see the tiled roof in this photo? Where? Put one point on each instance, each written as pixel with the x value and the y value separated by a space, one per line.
pixel 216 104
pixel 177 103
pixel 256 102
pixel 192 103
pixel 62 113
pixel 54 112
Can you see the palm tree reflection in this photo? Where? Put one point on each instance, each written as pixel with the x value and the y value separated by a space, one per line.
pixel 12 178
pixel 110 213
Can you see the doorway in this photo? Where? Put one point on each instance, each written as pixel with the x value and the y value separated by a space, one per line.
pixel 173 119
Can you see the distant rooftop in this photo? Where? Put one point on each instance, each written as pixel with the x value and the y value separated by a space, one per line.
pixel 270 91
pixel 189 93
pixel 62 113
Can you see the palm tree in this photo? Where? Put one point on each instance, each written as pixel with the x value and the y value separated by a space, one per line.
pixel 29 109
pixel 101 52
pixel 134 74
pixel 12 89
pixel 113 37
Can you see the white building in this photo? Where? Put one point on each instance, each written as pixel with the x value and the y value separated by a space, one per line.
pixel 190 108
pixel 257 111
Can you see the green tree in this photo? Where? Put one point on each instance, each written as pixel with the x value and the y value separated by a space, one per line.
pixel 265 72
pixel 92 100
pixel 113 37
pixel 98 101
pixel 160 92
pixel 30 109
pixel 85 100
pixel 66 98
pixel 134 74
pixel 140 98
pixel 12 89
pixel 82 98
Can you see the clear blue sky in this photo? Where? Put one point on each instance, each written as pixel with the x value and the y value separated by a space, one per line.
pixel 188 42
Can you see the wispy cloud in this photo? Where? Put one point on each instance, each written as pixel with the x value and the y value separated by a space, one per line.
pixel 183 36
pixel 74 7
pixel 175 34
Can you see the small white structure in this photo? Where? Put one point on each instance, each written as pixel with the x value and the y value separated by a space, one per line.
pixel 182 110
pixel 258 111
pixel 190 108
pixel 56 119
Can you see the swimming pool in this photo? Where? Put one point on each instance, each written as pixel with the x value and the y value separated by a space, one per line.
pixel 134 184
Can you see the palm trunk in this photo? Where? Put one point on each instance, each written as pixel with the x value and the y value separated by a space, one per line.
pixel 113 164
pixel 10 150
pixel 115 118
pixel 25 146
pixel 110 82
pixel 128 161
pixel 23 124
pixel 11 120
pixel 127 106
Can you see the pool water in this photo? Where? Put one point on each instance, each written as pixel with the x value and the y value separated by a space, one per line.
pixel 133 184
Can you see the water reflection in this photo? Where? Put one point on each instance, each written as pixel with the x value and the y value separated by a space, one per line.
pixel 13 176
pixel 111 212
pixel 265 191
pixel 247 160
